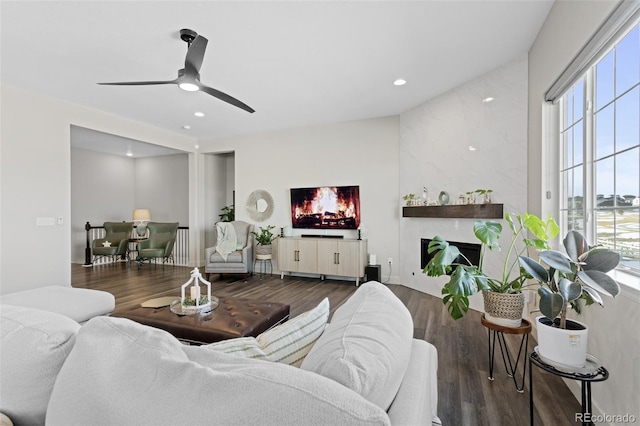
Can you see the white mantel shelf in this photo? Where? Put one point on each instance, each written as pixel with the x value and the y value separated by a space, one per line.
pixel 469 211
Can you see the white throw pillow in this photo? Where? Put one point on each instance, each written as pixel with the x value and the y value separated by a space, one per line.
pixel 287 343
pixel 33 347
pixel 367 344
pixel 124 373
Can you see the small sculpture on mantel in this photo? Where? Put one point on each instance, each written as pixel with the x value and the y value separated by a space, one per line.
pixel 425 196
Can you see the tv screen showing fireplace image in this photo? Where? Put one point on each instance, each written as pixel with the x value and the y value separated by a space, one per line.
pixel 326 207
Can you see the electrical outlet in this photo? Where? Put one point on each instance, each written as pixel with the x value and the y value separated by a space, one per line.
pixel 390 260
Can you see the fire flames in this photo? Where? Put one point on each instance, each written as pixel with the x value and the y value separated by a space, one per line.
pixel 327 207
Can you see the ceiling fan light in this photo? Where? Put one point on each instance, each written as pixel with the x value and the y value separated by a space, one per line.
pixel 189 87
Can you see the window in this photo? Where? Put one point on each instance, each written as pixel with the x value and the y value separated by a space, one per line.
pixel 600 152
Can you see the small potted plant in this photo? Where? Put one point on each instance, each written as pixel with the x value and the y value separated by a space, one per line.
pixel 228 213
pixel 264 240
pixel 471 198
pixel 466 279
pixel 575 279
pixel 409 198
pixel 486 193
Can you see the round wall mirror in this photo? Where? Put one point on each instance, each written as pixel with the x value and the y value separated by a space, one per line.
pixel 260 205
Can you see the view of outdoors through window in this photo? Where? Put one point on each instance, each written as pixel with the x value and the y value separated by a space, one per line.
pixel 601 154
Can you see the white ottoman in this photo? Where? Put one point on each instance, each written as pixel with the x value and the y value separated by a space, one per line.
pixel 79 304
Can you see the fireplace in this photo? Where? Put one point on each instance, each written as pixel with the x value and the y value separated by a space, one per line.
pixel 469 250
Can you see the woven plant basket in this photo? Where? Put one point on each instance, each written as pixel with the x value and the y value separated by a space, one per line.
pixel 503 308
pixel 263 250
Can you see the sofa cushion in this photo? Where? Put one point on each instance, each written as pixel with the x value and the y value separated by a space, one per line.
pixel 34 345
pixel 233 257
pixel 367 344
pixel 287 343
pixel 121 372
pixel 79 304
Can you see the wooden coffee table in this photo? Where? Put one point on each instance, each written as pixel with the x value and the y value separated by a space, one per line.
pixel 232 318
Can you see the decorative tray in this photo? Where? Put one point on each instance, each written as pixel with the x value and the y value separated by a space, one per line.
pixel 178 309
pixel 591 366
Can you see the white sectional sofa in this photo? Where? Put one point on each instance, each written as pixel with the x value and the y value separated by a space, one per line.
pixel 362 368
pixel 79 304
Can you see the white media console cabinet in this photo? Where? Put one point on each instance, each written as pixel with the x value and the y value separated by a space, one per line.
pixel 323 256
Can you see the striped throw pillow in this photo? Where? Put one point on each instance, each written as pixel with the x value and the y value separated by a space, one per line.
pixel 286 343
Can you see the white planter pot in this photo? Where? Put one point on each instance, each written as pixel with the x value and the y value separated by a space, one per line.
pixel 563 346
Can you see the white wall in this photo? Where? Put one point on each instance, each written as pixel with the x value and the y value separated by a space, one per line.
pixel 217 194
pixel 363 153
pixel 613 335
pixel 434 152
pixel 101 190
pixel 35 179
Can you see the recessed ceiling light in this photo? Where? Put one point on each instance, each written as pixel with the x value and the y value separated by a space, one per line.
pixel 472 148
pixel 198 114
pixel 186 127
pixel 129 154
pixel 399 82
pixel 487 100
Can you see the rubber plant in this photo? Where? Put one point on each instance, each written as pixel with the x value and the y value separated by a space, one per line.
pixel 467 279
pixel 572 279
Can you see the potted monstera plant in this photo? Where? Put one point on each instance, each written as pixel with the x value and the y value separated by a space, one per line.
pixel 503 297
pixel 575 279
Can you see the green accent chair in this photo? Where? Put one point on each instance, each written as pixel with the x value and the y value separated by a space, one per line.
pixel 159 245
pixel 117 235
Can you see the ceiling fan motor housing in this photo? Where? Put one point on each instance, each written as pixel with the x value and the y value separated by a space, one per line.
pixel 188 35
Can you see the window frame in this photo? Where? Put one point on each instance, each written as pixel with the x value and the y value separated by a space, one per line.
pixel 587 83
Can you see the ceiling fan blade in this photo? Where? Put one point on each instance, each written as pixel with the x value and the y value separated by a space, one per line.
pixel 224 97
pixel 195 55
pixel 139 83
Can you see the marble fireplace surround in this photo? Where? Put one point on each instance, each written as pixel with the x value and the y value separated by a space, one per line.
pixel 458 143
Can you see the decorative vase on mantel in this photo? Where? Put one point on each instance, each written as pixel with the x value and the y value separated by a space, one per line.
pixel 504 309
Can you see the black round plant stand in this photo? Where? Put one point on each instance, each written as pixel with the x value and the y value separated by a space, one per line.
pixel 597 375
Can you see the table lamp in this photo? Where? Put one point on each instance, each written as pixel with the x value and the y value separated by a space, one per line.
pixel 141 216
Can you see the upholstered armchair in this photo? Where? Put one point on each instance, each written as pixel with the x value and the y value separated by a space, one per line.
pixel 114 244
pixel 159 245
pixel 223 258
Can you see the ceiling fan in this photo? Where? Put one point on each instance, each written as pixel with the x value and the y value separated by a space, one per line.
pixel 189 76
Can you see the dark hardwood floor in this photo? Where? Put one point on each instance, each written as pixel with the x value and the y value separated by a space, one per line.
pixel 465 395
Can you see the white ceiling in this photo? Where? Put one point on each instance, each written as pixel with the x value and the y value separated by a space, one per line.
pixel 296 63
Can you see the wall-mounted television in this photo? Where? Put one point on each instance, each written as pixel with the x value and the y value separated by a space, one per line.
pixel 326 207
